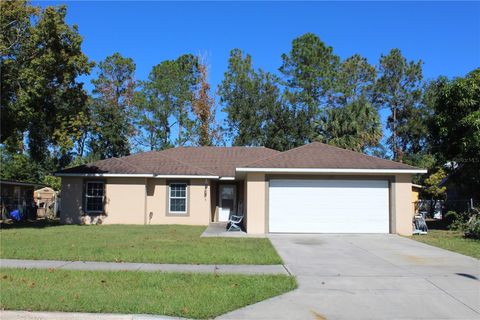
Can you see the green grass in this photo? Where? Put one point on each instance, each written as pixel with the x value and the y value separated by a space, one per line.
pixel 132 243
pixel 174 294
pixel 451 240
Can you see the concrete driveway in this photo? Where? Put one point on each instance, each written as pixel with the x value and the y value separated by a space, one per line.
pixel 371 277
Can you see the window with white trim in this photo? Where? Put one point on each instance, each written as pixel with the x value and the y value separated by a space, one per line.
pixel 177 197
pixel 94 196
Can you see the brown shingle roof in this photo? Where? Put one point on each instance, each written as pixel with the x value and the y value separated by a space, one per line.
pixel 320 155
pixel 222 161
pixel 205 161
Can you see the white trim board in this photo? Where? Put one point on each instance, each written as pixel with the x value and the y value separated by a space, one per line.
pixel 123 175
pixel 327 170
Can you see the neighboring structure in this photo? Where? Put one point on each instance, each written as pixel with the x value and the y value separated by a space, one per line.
pixel 310 189
pixel 416 190
pixel 46 201
pixel 15 195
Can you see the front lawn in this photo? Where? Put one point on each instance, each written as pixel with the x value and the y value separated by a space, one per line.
pixel 132 243
pixel 174 294
pixel 451 240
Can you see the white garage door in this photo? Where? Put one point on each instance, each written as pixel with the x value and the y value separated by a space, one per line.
pixel 328 206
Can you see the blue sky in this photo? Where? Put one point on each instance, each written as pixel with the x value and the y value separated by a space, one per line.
pixel 445 35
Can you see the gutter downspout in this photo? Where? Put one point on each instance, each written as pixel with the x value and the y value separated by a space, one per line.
pixel 145 203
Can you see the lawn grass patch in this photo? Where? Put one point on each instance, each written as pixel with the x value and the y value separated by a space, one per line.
pixel 133 243
pixel 451 240
pixel 192 295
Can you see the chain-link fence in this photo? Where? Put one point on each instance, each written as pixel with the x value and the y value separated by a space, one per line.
pixel 438 208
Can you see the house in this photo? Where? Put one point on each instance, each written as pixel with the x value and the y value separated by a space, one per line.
pixel 315 188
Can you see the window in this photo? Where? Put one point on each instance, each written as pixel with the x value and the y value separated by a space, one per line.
pixel 178 198
pixel 94 197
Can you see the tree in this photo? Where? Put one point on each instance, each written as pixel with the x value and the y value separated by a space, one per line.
pixel 239 96
pixel 354 80
pixel 278 128
pixel 309 69
pixel 256 113
pixel 167 95
pixel 19 167
pixel 399 88
pixel 455 128
pixel 355 126
pixel 41 61
pixel 15 29
pixel 185 79
pixel 203 107
pixel 112 106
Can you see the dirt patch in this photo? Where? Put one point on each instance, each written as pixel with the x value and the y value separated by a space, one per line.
pixel 318 316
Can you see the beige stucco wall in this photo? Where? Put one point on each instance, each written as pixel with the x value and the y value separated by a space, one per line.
pixel 136 201
pixel 72 202
pixel 125 201
pixel 402 204
pixel 257 195
pixel 255 191
pixel 198 205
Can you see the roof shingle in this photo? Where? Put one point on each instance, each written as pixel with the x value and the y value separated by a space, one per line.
pixel 223 161
pixel 205 161
pixel 320 155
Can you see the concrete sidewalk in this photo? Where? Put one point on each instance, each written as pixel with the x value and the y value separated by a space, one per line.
pixel 370 277
pixel 27 315
pixel 125 266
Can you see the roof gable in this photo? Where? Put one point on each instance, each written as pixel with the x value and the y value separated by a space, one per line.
pixel 324 156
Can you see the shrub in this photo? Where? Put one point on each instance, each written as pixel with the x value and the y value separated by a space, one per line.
pixel 472 226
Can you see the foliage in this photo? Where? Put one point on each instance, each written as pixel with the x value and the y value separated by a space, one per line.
pixel 354 81
pixel 455 129
pixel 355 126
pixel 167 94
pixel 238 93
pixel 455 221
pixel 256 114
pixel 203 107
pixel 19 167
pixel 309 70
pixel 399 88
pixel 472 226
pixel 53 182
pixel 41 61
pixel 111 105
pixel 433 187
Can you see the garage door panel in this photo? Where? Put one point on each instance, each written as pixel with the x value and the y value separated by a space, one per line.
pixel 328 206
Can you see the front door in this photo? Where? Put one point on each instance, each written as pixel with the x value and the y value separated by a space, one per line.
pixel 228 197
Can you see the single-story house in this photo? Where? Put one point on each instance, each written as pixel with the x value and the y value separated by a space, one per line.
pixel 315 188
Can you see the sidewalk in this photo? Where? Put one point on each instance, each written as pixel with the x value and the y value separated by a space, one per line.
pixel 27 315
pixel 126 266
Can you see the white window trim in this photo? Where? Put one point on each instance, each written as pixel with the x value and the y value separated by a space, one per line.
pixel 170 197
pixel 87 196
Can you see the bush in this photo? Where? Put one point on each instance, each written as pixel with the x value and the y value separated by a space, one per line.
pixel 472 226
pixel 454 220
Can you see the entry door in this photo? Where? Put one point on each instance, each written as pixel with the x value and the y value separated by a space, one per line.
pixel 228 193
pixel 329 206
